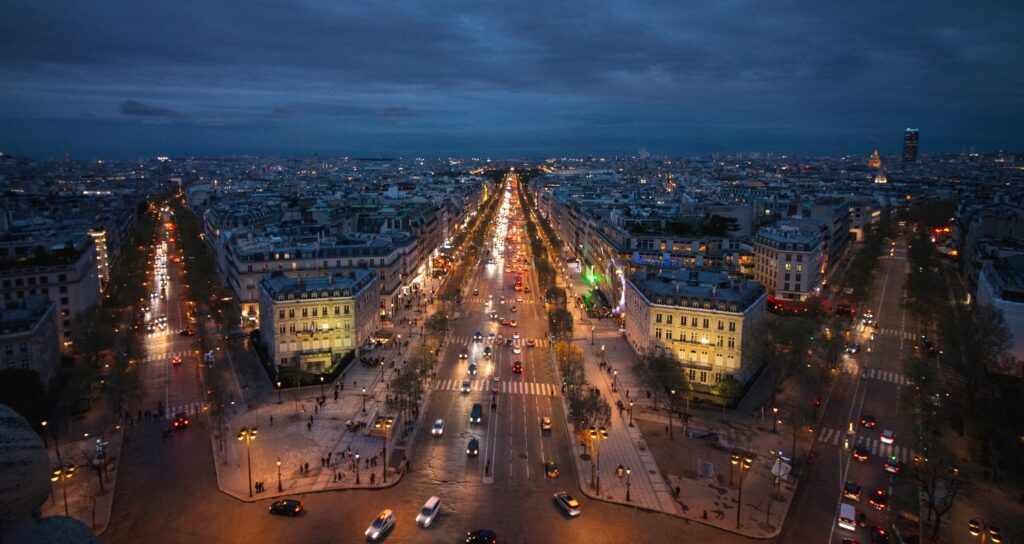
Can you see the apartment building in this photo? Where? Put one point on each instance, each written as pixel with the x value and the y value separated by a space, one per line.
pixel 28 336
pixel 789 258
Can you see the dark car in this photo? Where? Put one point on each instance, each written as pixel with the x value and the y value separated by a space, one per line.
pixel 180 421
pixel 861 454
pixel 517 367
pixel 851 491
pixel 879 499
pixel 286 507
pixel 187 332
pixel 473 448
pixel 551 468
pixel 481 536
pixel 879 535
pixel 867 421
pixel 893 465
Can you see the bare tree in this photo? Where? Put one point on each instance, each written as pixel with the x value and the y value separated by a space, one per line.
pixel 941 484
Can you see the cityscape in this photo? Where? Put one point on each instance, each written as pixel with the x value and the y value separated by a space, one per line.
pixel 623 281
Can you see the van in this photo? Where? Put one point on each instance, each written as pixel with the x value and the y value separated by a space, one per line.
pixel 429 511
pixel 847 517
pixel 476 413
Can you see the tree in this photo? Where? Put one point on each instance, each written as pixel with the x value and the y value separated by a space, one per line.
pixel 92 333
pixel 437 324
pixel 729 389
pixel 661 373
pixel 941 484
pixel 555 295
pixel 570 365
pixel 560 323
pixel 589 409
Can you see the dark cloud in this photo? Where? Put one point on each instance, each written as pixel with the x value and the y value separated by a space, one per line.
pixel 794 76
pixel 134 108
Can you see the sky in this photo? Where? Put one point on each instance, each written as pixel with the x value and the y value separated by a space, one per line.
pixel 128 79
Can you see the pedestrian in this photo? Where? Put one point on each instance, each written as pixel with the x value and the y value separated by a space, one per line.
pixel 329 457
pixel 310 419
pixel 323 461
pixel 307 468
pixel 316 408
pixel 271 420
pixel 627 393
pixel 373 478
pixel 309 427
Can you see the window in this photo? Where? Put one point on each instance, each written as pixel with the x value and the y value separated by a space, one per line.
pixel 693 322
pixel 657 318
pixel 732 326
pixel 291 312
pixel 732 343
pixel 787 276
pixel 668 335
pixel 789 267
pixel 703 377
pixel 280 314
pixel 61 277
pixel 657 333
pixel 669 319
pixel 283 329
pixel 706 323
pixel 337 310
pixel 798 277
pixel 799 268
pixel 719 341
pixel 346 309
pixel 721 325
pixel 718 377
pixel 324 311
pixel 693 375
pixel 785 287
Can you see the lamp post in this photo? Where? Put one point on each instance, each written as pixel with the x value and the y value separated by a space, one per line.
pixel 615 380
pixel 591 335
pixel 321 387
pixel 382 370
pixel 595 467
pixel 248 434
pixel 62 473
pixel 671 408
pixel 364 400
pixel 399 344
pixel 602 354
pixel 734 459
pixel 279 488
pixel 628 470
pixel 984 530
pixel 744 466
pixel 775 419
pixel 384 470
pixel 296 395
pixel 43 425
pixel 357 469
pixel 630 413
pixel 279 392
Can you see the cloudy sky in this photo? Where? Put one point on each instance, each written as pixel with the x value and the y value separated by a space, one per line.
pixel 125 79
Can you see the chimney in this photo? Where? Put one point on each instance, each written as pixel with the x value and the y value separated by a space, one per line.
pixel 676 285
pixel 714 291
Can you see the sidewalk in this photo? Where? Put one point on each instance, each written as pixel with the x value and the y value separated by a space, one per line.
pixel 695 466
pixel 87 499
pixel 295 430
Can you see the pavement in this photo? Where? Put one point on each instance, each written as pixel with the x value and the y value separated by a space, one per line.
pixel 84 496
pixel 300 432
pixel 697 467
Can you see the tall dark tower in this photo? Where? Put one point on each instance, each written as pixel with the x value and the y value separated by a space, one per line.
pixel 910 145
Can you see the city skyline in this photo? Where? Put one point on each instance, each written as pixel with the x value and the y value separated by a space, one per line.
pixel 533 81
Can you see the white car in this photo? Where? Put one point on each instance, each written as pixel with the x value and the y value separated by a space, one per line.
pixel 887 437
pixel 384 522
pixel 515 335
pixel 429 511
pixel 517 350
pixel 567 503
pixel 438 429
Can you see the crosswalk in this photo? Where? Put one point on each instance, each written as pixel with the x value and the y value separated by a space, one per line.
pixel 510 300
pixel 168 356
pixel 508 388
pixel 886 376
pixel 190 409
pixel 539 342
pixel 895 332
pixel 877 448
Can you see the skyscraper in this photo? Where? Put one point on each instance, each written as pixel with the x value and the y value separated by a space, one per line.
pixel 910 145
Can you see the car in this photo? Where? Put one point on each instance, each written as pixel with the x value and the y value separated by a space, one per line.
pixel 893 465
pixel 879 499
pixel 501 300
pixel 494 315
pixel 545 423
pixel 515 335
pixel 504 321
pixel 860 454
pixel 879 535
pixel 476 413
pixel 512 323
pixel 286 507
pixel 851 491
pixel 487 352
pixel 867 421
pixel 551 468
pixel 476 291
pixel 472 369
pixel 513 309
pixel 473 447
pixel 519 299
pixel 429 511
pixel 384 522
pixel 175 361
pixel 464 354
pixel 478 337
pixel 531 343
pixel 526 289
pixel 465 386
pixel 852 348
pixel 508 342
pixel 517 367
pixel 567 503
pixel 887 437
pixel 180 421
pixel 517 350
pixel 438 429
pixel 976 528
pixel 490 337
pixel 481 536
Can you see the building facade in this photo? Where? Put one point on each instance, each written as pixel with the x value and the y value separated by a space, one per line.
pixel 311 322
pixel 789 259
pixel 28 337
pixel 910 144
pixel 699 316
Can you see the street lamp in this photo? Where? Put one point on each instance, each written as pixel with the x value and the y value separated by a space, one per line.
pixel 321 387
pixel 630 413
pixel 248 434
pixel 602 354
pixel 357 469
pixel 62 473
pixel 628 470
pixel 615 380
pixel 671 408
pixel 279 488
pixel 984 530
pixel 279 392
pixel 595 468
pixel 734 459
pixel 43 425
pixel 399 343
pixel 382 370
pixel 591 335
pixel 775 419
pixel 744 466
pixel 364 400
